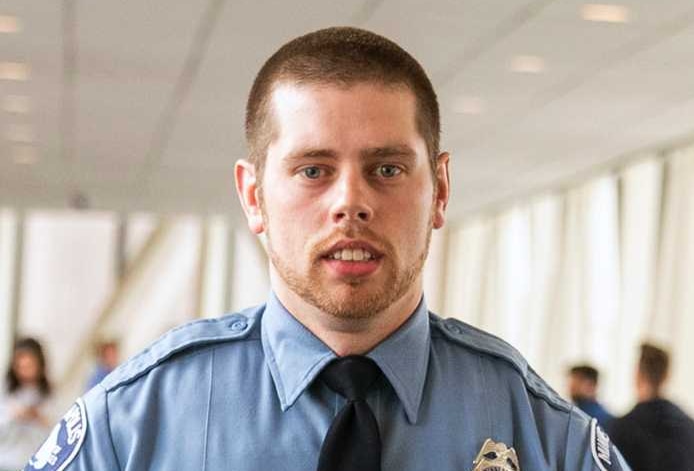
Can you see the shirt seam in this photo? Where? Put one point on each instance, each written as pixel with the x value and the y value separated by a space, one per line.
pixel 108 429
pixel 209 409
pixel 566 439
pixel 531 385
pixel 484 388
pixel 185 350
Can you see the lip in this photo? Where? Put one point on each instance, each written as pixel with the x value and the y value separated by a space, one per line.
pixel 352 270
pixel 353 244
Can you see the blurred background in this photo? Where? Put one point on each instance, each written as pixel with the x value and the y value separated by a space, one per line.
pixel 571 128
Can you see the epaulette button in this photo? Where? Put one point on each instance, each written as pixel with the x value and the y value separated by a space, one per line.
pixel 454 328
pixel 238 325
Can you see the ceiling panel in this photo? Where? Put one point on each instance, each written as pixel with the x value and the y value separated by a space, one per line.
pixel 130 55
pixel 208 129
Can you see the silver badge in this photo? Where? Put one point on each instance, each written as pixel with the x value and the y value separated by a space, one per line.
pixel 496 457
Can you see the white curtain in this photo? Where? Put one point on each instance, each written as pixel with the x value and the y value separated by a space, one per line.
pixel 162 290
pixel 8 247
pixel 586 274
pixel 71 297
pixel 250 279
pixel 672 319
pixel 68 269
pixel 641 189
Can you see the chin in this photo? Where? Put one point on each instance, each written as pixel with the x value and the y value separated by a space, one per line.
pixel 356 302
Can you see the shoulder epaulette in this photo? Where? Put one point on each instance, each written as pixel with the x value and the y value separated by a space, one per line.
pixel 236 326
pixel 484 342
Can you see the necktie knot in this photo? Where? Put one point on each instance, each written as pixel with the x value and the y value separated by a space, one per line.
pixel 351 376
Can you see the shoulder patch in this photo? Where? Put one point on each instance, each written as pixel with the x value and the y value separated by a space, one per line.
pixel 476 339
pixel 600 447
pixel 193 334
pixel 64 442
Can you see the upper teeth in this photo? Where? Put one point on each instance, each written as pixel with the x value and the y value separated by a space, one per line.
pixel 352 254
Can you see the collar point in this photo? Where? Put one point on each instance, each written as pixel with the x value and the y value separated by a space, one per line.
pixel 285 405
pixel 412 414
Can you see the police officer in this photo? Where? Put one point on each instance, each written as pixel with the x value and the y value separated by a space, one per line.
pixel 343 368
pixel 656 434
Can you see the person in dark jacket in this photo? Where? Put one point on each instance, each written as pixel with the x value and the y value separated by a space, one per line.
pixel 656 435
pixel 583 389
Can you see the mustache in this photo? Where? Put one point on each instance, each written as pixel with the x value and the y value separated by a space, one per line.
pixel 363 234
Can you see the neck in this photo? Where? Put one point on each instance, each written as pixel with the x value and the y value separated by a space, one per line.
pixel 645 392
pixel 348 336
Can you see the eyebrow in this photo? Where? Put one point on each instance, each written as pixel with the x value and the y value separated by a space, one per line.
pixel 368 153
pixel 389 151
pixel 311 153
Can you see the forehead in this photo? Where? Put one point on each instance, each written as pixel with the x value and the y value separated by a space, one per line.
pixel 23 355
pixel 363 113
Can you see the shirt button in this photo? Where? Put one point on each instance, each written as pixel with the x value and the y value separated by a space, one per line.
pixel 238 325
pixel 454 328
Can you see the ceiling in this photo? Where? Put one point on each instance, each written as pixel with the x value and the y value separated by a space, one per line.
pixel 132 105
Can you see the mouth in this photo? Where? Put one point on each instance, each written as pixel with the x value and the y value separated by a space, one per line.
pixel 353 251
pixel 353 259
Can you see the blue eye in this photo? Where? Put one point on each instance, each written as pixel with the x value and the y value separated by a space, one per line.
pixel 311 173
pixel 388 171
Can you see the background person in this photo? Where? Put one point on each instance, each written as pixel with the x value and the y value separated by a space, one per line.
pixel 656 435
pixel 583 391
pixel 107 358
pixel 23 422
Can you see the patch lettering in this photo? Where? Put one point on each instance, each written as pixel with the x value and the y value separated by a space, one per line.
pixel 64 442
pixel 600 447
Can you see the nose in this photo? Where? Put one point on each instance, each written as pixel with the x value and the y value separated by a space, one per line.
pixel 351 201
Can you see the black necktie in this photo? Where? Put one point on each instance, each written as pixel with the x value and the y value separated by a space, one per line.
pixel 353 442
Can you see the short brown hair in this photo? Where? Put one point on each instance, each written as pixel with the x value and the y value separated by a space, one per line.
pixel 653 365
pixel 339 56
pixel 586 372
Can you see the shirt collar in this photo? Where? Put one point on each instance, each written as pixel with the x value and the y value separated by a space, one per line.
pixel 295 356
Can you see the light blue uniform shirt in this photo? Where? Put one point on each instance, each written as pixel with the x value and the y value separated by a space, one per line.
pixel 241 393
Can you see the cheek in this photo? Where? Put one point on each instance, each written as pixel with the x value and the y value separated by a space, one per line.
pixel 407 224
pixel 291 221
pixel 415 213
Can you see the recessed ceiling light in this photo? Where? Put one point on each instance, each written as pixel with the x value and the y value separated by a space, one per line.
pixel 528 64
pixel 14 71
pixel 10 24
pixel 17 104
pixel 24 155
pixel 605 13
pixel 469 105
pixel 20 133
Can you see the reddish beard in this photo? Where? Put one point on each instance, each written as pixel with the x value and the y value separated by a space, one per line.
pixel 358 297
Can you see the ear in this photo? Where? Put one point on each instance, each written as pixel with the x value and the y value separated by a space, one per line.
pixel 443 183
pixel 247 189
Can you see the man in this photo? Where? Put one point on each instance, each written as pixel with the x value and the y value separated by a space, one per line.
pixel 583 390
pixel 107 358
pixel 656 434
pixel 343 368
